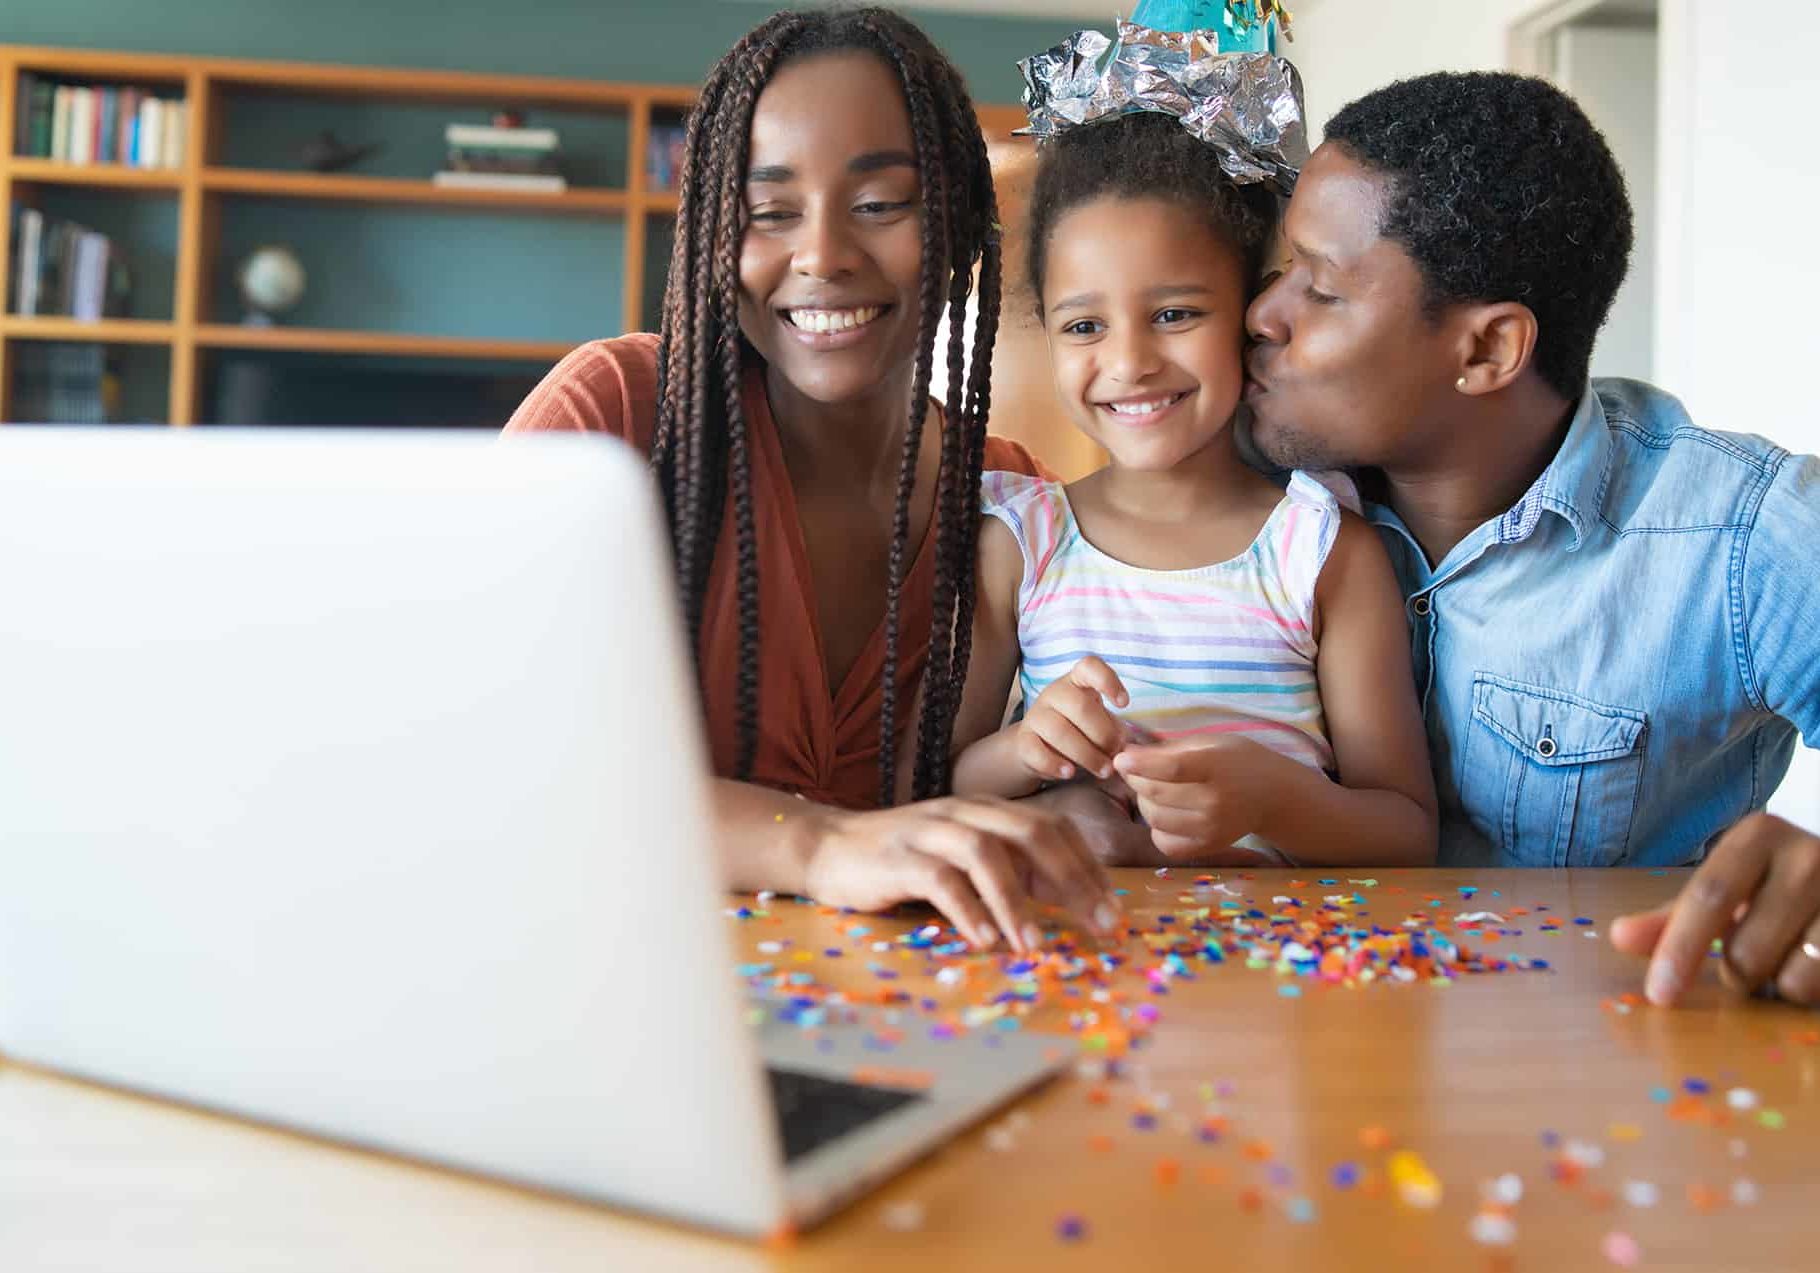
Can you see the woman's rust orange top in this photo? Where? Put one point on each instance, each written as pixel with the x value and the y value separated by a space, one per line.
pixel 813 738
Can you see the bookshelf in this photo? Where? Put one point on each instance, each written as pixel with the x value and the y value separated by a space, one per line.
pixel 213 89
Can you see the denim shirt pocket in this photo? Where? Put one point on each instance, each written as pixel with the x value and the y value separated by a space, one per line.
pixel 1550 777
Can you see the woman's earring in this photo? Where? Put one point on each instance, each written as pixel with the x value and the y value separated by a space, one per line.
pixel 1460 384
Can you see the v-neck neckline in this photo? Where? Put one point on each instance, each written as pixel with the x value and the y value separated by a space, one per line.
pixel 852 687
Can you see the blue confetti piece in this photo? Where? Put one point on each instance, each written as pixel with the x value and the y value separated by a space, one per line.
pixel 1289 990
pixel 1144 1122
pixel 1301 1210
pixel 1661 1095
pixel 1699 1087
pixel 1345 1175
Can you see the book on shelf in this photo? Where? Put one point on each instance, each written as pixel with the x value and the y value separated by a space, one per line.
pixel 99 124
pixel 530 182
pixel 664 156
pixel 65 383
pixel 66 270
pixel 482 157
pixel 485 137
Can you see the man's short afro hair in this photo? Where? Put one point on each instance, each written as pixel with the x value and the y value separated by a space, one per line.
pixel 1501 189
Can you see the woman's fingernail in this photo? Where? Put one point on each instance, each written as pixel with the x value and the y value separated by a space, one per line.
pixel 1033 936
pixel 1067 771
pixel 1105 917
pixel 1663 983
pixel 988 936
pixel 1105 771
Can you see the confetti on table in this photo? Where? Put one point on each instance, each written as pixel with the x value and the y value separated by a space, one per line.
pixel 926 981
pixel 1489 1228
pixel 1416 1184
pixel 1621 1249
pixel 1506 1190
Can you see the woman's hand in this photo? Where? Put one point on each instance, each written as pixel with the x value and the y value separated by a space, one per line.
pixel 1759 889
pixel 984 863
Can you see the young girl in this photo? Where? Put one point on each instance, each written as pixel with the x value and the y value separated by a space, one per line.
pixel 1225 657
pixel 820 505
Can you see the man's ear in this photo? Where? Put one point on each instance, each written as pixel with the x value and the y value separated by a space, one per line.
pixel 1497 344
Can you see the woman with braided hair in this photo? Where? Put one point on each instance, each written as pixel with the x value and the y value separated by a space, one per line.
pixel 835 199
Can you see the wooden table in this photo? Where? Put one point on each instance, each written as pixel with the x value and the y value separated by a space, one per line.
pixel 1471 1077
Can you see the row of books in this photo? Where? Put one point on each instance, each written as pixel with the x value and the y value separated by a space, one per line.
pixel 501 158
pixel 99 124
pixel 58 383
pixel 65 269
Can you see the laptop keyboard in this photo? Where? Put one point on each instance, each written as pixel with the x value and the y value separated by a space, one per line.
pixel 812 1110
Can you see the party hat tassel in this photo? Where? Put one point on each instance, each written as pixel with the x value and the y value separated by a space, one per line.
pixel 1237 16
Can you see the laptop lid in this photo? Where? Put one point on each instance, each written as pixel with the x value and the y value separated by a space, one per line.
pixel 351 781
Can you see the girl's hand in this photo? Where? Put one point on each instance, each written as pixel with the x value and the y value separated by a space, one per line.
pixel 1069 730
pixel 1199 797
pixel 983 863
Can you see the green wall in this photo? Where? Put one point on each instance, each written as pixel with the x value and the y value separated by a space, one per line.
pixel 538 278
pixel 667 41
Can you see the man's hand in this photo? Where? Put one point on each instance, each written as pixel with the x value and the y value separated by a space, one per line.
pixel 1759 889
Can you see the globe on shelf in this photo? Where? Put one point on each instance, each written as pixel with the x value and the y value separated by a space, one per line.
pixel 271 281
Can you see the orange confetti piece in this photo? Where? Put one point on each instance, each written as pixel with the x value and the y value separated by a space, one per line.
pixel 1374 1137
pixel 1168 1171
pixel 1258 1150
pixel 1100 1144
pixel 1250 1199
pixel 1098 1096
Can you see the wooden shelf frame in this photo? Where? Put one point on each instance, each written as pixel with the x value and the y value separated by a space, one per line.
pixel 200 184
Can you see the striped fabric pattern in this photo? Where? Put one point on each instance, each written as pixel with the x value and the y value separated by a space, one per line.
pixel 1220 649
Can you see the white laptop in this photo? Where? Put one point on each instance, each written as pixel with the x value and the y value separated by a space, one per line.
pixel 352 782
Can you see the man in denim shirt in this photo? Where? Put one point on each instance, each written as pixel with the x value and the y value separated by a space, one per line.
pixel 1615 614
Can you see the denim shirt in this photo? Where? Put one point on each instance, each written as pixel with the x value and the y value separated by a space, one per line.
pixel 1616 669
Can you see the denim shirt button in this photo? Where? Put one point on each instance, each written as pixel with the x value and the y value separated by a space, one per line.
pixel 1421 606
pixel 1545 747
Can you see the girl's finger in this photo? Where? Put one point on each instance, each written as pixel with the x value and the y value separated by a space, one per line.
pixel 1065 737
pixel 1040 758
pixel 1094 673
